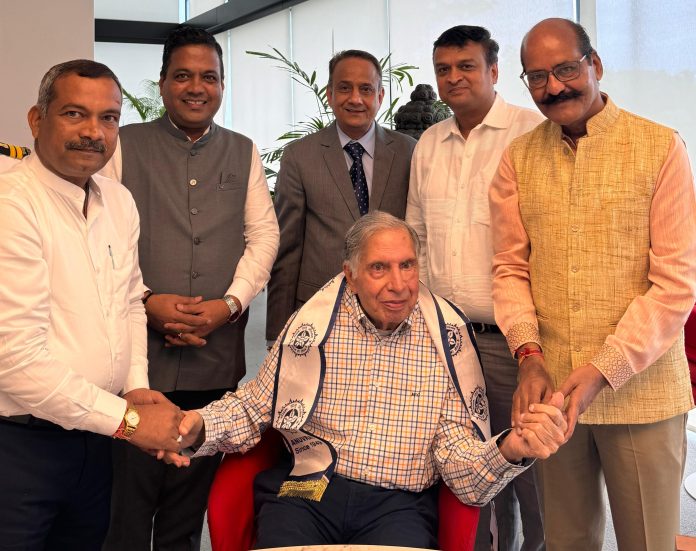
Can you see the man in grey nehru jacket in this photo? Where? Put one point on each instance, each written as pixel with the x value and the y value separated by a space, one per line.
pixel 208 240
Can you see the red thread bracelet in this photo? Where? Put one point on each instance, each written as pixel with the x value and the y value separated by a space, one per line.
pixel 526 353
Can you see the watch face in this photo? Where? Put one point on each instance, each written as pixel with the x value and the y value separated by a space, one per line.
pixel 132 417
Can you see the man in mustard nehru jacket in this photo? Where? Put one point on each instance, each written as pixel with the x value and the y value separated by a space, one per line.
pixel 594 231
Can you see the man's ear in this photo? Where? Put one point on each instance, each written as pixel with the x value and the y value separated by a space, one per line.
pixel 494 73
pixel 34 119
pixel 597 64
pixel 349 274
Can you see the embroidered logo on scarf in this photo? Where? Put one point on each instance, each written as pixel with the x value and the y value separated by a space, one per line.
pixel 479 403
pixel 302 339
pixel 291 415
pixel 454 338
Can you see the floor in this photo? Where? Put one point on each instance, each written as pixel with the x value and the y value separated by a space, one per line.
pixel 255 346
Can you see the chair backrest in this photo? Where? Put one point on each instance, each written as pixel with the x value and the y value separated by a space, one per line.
pixel 690 337
pixel 690 346
pixel 231 503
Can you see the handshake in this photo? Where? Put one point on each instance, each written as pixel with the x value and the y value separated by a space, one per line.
pixel 163 429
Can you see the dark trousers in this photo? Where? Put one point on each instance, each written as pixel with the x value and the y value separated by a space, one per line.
pixel 55 488
pixel 517 509
pixel 349 512
pixel 158 506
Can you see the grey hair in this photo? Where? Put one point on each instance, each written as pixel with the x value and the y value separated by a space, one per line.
pixel 367 226
pixel 80 67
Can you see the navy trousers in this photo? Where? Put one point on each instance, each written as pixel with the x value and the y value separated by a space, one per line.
pixel 349 512
pixel 55 488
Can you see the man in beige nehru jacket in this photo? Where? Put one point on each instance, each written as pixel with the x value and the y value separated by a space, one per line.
pixel 594 231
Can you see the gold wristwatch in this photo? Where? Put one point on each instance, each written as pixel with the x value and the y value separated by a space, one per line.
pixel 130 422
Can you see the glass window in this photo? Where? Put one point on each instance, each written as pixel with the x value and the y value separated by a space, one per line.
pixel 649 62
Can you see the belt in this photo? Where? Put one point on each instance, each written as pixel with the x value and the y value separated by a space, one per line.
pixel 29 421
pixel 479 328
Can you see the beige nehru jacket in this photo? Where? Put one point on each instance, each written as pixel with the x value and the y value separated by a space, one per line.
pixel 596 259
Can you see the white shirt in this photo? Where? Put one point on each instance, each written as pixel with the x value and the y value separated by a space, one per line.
pixel 72 323
pixel 261 232
pixel 367 140
pixel 6 163
pixel 448 204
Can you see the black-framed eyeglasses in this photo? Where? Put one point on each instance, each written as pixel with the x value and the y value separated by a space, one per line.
pixel 563 73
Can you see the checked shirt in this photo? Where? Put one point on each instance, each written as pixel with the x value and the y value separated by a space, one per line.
pixel 388 407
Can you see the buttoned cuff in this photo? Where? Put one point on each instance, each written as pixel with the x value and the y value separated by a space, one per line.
pixel 107 414
pixel 214 430
pixel 612 364
pixel 522 333
pixel 504 464
pixel 243 291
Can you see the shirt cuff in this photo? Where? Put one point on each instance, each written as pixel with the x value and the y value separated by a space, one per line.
pixel 522 333
pixel 107 413
pixel 243 291
pixel 612 364
pixel 503 463
pixel 212 435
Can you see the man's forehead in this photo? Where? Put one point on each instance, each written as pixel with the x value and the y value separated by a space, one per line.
pixel 551 37
pixel 469 51
pixel 389 240
pixel 350 67
pixel 195 57
pixel 73 89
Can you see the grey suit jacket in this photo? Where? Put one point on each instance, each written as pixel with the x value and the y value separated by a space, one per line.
pixel 315 205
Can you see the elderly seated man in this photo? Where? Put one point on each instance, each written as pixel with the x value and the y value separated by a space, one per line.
pixel 376 387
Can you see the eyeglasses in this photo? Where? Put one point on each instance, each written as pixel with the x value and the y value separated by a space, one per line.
pixel 563 73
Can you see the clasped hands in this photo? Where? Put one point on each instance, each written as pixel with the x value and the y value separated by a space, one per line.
pixel 536 387
pixel 185 321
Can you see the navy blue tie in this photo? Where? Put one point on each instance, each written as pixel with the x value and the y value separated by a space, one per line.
pixel 357 176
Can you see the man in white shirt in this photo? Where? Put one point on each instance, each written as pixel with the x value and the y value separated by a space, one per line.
pixel 72 322
pixel 451 170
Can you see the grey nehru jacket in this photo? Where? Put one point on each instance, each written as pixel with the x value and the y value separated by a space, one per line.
pixel 190 197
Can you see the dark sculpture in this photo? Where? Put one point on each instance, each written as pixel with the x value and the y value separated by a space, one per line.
pixel 422 111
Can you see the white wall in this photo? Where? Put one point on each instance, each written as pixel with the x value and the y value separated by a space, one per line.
pixel 132 64
pixel 34 36
pixel 164 11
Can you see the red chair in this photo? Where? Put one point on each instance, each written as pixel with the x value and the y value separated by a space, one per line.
pixel 690 342
pixel 231 503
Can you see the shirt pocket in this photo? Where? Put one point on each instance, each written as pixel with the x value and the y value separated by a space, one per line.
pixel 437 215
pixel 480 209
pixel 119 266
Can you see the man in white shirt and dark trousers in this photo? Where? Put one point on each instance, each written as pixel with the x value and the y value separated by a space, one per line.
pixel 72 322
pixel 209 238
pixel 451 170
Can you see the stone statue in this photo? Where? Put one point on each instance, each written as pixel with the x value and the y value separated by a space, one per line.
pixel 421 112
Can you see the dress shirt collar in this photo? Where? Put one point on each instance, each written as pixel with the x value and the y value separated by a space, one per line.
pixel 367 140
pixel 356 312
pixel 497 117
pixel 177 132
pixel 73 192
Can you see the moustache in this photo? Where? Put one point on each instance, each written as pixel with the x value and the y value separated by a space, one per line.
pixel 86 145
pixel 563 96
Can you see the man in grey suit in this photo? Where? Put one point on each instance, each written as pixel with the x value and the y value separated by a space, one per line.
pixel 322 189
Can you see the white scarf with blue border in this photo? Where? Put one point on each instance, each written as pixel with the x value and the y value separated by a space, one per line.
pixel 302 364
